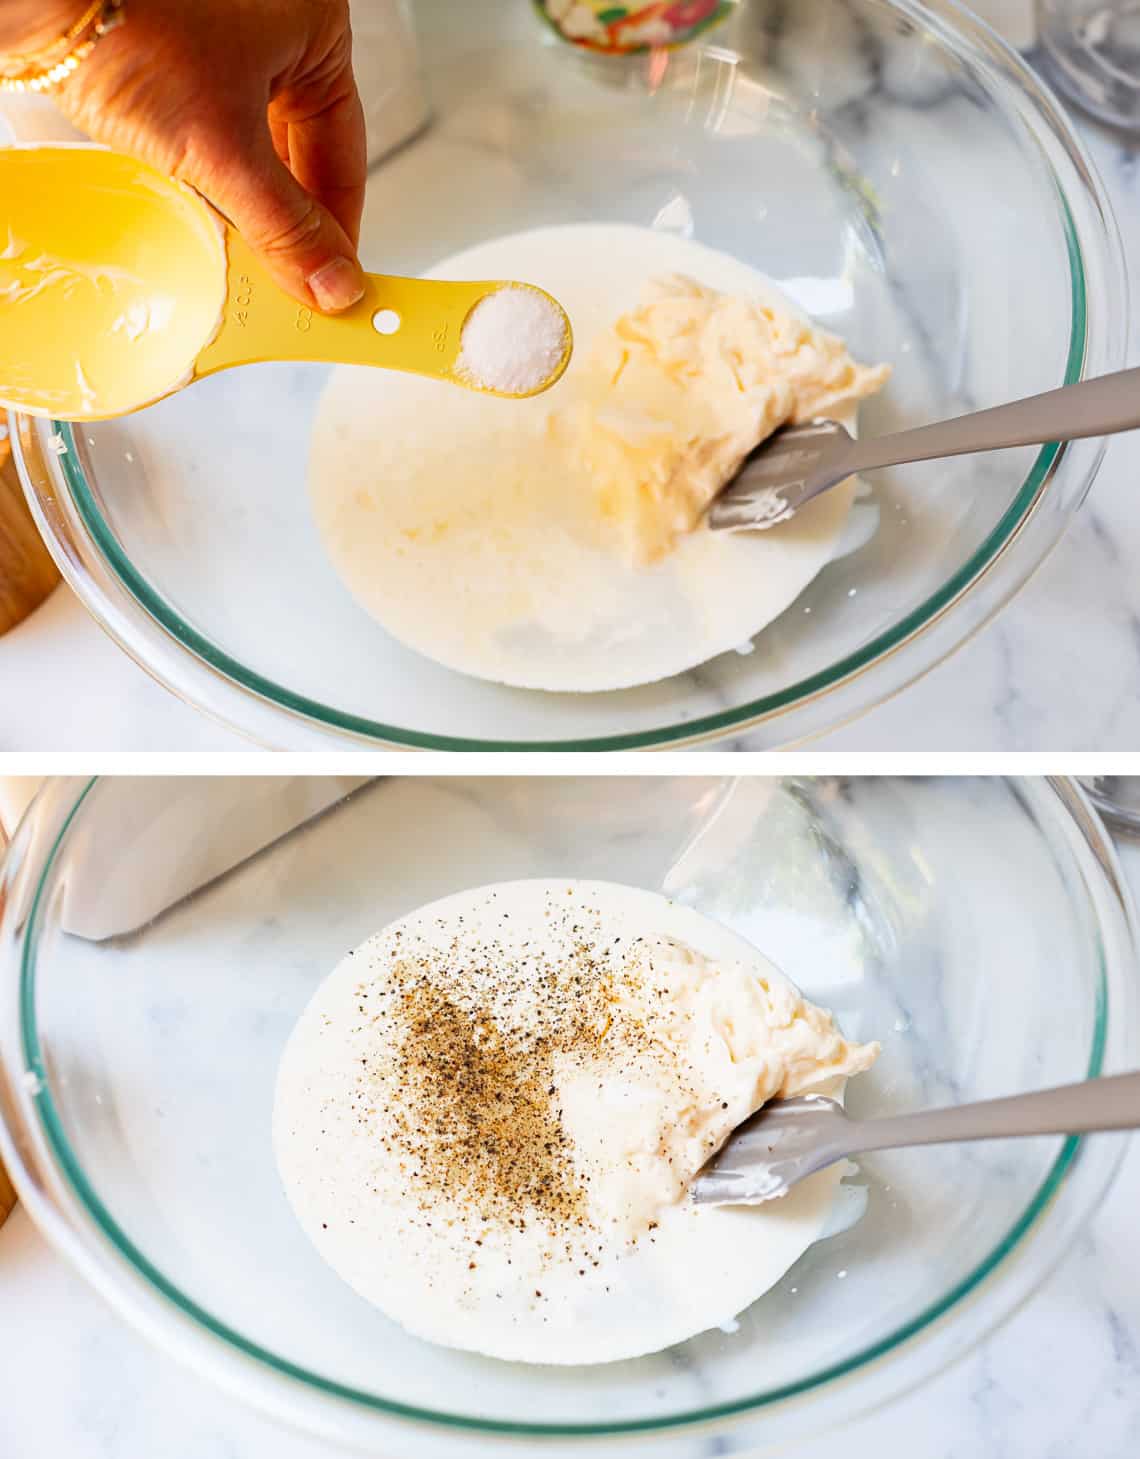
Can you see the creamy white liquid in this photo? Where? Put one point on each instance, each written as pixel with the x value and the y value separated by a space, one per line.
pixel 131 277
pixel 457 1275
pixel 449 519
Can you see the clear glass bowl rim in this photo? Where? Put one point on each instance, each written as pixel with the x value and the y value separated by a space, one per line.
pixel 100 1226
pixel 207 664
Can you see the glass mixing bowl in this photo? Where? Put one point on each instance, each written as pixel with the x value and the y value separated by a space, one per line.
pixel 978 928
pixel 893 166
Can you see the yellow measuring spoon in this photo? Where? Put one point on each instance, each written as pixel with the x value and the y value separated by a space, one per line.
pixel 119 286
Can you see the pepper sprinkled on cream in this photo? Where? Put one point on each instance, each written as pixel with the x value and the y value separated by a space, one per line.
pixel 488 1118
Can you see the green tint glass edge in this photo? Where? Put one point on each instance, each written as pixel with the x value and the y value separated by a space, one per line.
pixel 84 1191
pixel 975 566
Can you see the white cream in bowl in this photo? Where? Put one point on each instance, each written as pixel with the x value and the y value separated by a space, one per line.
pixel 488 1116
pixel 557 543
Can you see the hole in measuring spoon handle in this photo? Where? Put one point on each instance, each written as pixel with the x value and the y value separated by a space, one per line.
pixel 386 321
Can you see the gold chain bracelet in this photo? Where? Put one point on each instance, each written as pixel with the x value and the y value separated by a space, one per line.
pixel 52 64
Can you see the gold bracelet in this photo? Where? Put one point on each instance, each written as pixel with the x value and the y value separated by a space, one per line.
pixel 52 64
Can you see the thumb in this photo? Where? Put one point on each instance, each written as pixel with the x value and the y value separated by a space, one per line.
pixel 300 242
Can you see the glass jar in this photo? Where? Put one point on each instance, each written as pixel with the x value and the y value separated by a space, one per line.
pixel 601 25
pixel 1117 798
pixel 1090 49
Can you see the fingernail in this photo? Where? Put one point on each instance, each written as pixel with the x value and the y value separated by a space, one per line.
pixel 336 284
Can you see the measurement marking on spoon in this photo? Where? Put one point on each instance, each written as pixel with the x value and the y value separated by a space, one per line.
pixel 243 298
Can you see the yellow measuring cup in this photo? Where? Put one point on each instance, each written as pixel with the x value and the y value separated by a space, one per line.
pixel 119 286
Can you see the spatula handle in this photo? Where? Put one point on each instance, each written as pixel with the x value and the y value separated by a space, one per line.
pixel 1100 407
pixel 1112 1103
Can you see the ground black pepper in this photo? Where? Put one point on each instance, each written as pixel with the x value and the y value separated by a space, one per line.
pixel 474 1031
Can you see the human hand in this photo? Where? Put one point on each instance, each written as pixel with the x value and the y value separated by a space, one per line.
pixel 251 102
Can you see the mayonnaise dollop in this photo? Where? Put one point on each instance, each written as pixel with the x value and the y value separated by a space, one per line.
pixel 679 391
pixel 695 1046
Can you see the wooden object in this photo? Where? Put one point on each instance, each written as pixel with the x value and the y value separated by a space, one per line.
pixel 27 573
pixel 7 1196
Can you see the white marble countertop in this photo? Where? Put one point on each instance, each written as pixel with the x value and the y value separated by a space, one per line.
pixel 1060 1379
pixel 1055 672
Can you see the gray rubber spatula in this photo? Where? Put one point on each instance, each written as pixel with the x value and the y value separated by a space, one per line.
pixel 790 1139
pixel 798 463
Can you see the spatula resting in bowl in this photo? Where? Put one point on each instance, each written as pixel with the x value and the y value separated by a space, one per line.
pixel 800 462
pixel 790 1139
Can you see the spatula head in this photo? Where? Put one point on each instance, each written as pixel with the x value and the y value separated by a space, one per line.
pixel 781 475
pixel 786 1141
